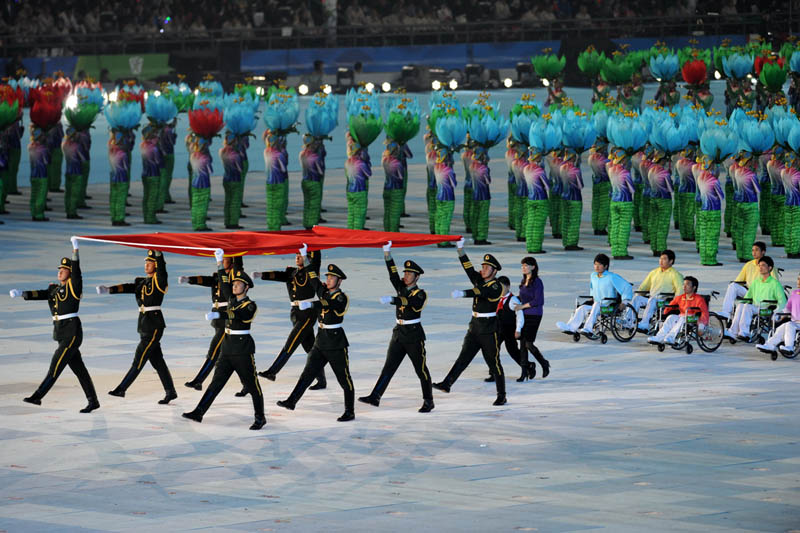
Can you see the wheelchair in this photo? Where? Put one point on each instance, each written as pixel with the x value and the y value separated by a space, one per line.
pixel 761 325
pixel 777 320
pixel 619 319
pixel 708 340
pixel 662 299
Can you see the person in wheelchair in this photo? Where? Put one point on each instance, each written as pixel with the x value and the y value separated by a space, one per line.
pixel 738 287
pixel 664 280
pixel 786 333
pixel 682 305
pixel 765 291
pixel 604 286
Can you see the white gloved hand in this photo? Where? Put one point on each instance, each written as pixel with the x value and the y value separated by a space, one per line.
pixel 386 300
pixel 219 253
pixel 304 305
pixel 303 250
pixel 15 293
pixel 74 241
pixel 255 274
pixel 387 247
pixel 102 289
pixel 457 293
pixel 211 315
pixel 460 243
pixel 183 279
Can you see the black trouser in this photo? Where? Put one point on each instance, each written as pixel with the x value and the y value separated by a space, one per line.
pixel 398 348
pixel 315 363
pixel 245 366
pixel 211 356
pixel 149 348
pixel 529 330
pixel 508 333
pixel 489 345
pixel 302 334
pixel 68 354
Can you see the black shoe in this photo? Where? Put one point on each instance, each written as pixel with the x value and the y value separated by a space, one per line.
pixel 259 423
pixel 637 228
pixel 481 242
pixel 557 235
pixel 319 385
pixel 545 369
pixel 774 356
pixel 427 406
pixel 573 248
pixel 347 416
pixel 266 374
pixel 372 400
pixel 520 239
pixel 321 221
pixel 404 215
pixel 204 228
pixel 600 232
pixel 31 399
pixel 242 393
pixel 120 223
pixel 442 386
pixel 244 205
pixel 171 395
pixel 642 330
pixel 242 215
pixel 286 404
pixel 93 404
pixel 531 370
pixel 490 379
pixel 539 252
pixel 524 374
pixel 194 385
pixel 195 415
pixel 117 392
pixel 501 400
pixel 623 257
pixel 155 221
pixel 43 219
pixel 74 217
pixel 233 226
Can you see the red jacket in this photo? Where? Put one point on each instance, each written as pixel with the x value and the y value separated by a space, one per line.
pixel 685 302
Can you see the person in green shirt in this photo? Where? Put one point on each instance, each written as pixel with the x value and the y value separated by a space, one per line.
pixel 763 288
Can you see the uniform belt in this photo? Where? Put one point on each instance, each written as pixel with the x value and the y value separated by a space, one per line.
pixel 143 309
pixel 296 303
pixel 237 331
pixel 483 315
pixel 217 305
pixel 330 326
pixel 408 322
pixel 56 318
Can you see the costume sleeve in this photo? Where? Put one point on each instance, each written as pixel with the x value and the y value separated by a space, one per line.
pixel 338 303
pixel 124 288
pixel 491 291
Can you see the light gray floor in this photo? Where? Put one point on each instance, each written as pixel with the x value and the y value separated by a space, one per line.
pixel 620 437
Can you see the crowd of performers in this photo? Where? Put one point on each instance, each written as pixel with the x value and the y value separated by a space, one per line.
pixel 498 317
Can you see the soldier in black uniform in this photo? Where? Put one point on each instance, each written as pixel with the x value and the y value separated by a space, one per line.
pixel 218 303
pixel 149 291
pixel 64 300
pixel 331 344
pixel 482 333
pixel 300 290
pixel 408 336
pixel 238 348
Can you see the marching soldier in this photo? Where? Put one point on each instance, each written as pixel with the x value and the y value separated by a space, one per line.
pixel 64 300
pixel 408 336
pixel 149 292
pixel 238 348
pixel 482 333
pixel 300 291
pixel 331 343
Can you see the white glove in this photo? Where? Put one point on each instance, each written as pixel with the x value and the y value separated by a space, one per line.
pixel 219 254
pixel 386 300
pixel 457 293
pixel 211 315
pixel 15 293
pixel 102 289
pixel 387 247
pixel 255 274
pixel 460 243
pixel 74 241
pixel 183 279
pixel 304 305
pixel 303 250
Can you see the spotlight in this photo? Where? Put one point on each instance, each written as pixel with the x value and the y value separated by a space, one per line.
pixel 436 85
pixel 260 90
pixel 545 82
pixel 303 89
pixel 72 101
pixel 196 92
pixel 658 80
pixel 453 85
pixel 345 79
pixel 112 97
pixel 717 75
pixel 386 86
pixel 326 89
pixel 507 83
pixel 369 86
pixel 749 76
pixel 156 93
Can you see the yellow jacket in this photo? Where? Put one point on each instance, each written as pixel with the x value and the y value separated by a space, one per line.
pixel 750 272
pixel 669 280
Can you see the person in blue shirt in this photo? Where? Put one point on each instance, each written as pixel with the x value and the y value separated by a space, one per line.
pixel 603 284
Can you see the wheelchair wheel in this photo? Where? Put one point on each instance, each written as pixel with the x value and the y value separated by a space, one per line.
pixel 689 348
pixel 794 354
pixel 576 337
pixel 623 323
pixel 661 347
pixel 711 338
pixel 603 338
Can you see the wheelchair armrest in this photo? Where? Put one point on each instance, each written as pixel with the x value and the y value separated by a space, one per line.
pixel 615 299
pixel 745 300
pixel 584 296
pixel 714 294
pixel 642 292
pixel 742 283
pixel 670 310
pixel 666 295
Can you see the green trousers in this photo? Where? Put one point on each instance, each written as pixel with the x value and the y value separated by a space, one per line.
pixel 519 223
pixel 356 209
pixel 164 196
pixel 686 215
pixel 512 205
pixel 54 170
pixel 284 201
pixel 233 202
pixel 84 183
pixel 480 229
pixel 676 208
pixel 468 214
pixel 274 206
pixel 791 226
pixel 392 209
pixel 571 222
pixel 777 203
pixel 644 218
pixel 638 189
pixel 746 228
pixel 72 194
pixel 116 202
pixel 708 223
pixel 444 216
pixel 312 202
pixel 601 203
pixel 730 209
pixel 14 155
pixel 536 213
pixel 555 215
pixel 38 197
pixel 150 199
pixel 620 227
pixel 765 204
pixel 200 199
pixel 430 197
pixel 661 209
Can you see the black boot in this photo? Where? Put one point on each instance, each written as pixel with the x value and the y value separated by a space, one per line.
pixel 120 393
pixel 531 370
pixel 372 400
pixel 195 415
pixel 442 386
pixel 490 379
pixel 32 399
pixel 347 416
pixel 501 399
pixel 427 405
pixel 242 393
pixel 93 404
pixel 194 385
pixel 286 404
pixel 259 422
pixel 171 395
pixel 321 383
pixel 524 374
pixel 267 374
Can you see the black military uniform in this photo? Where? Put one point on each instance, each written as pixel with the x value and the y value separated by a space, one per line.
pixel 237 351
pixel 300 290
pixel 482 333
pixel 64 300
pixel 219 304
pixel 149 292
pixel 408 336
pixel 330 346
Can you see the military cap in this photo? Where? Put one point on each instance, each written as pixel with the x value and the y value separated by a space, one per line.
pixel 151 256
pixel 333 270
pixel 411 266
pixel 488 259
pixel 241 275
pixel 66 262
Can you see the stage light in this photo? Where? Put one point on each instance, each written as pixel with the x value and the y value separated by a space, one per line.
pixel 436 85
pixel 146 95
pixel 72 101
pixel 303 89
pixel 326 89
pixel 260 90
pixel 453 85
pixel 717 75
pixel 156 93
pixel 507 83
pixel 386 86
pixel 545 82
pixel 658 80
pixel 112 97
pixel 196 92
pixel 369 86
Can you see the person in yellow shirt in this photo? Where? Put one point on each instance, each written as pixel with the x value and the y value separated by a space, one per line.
pixel 664 279
pixel 738 287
